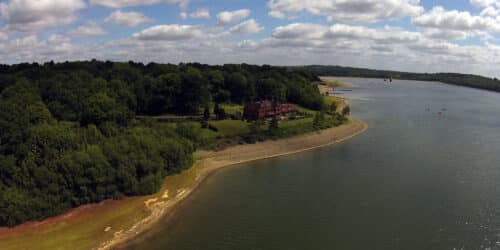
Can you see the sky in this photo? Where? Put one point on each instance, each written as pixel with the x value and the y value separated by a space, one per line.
pixel 409 35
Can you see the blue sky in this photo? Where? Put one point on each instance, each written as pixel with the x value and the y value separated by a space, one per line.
pixel 412 35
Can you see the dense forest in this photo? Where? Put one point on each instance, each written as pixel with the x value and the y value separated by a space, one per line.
pixel 69 133
pixel 473 81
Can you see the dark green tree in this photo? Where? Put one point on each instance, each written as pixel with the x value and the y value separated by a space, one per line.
pixel 237 84
pixel 206 113
pixel 271 89
pixel 194 91
pixel 319 120
pixel 274 127
pixel 333 107
pixel 346 110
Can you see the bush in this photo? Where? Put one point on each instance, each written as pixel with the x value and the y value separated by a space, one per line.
pixel 204 124
pixel 346 111
pixel 213 128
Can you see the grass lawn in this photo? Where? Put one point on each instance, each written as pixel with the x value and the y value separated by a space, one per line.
pixel 230 128
pixel 305 110
pixel 332 99
pixel 295 127
pixel 332 83
pixel 328 100
pixel 232 109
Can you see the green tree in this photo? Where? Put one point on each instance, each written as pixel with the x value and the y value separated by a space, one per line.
pixel 206 113
pixel 346 110
pixel 100 108
pixel 319 120
pixel 216 78
pixel 221 114
pixel 271 89
pixel 238 86
pixel 333 107
pixel 274 127
pixel 194 91
pixel 216 108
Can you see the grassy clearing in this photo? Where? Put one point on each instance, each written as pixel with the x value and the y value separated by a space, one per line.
pixel 295 127
pixel 333 82
pixel 230 128
pixel 232 109
pixel 333 99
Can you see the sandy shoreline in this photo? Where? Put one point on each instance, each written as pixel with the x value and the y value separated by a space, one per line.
pixel 113 223
pixel 209 162
pixel 338 81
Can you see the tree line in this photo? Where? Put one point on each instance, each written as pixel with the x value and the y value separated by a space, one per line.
pixel 467 80
pixel 68 133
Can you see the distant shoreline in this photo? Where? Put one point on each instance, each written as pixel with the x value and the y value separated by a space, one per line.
pixel 211 162
pixel 336 81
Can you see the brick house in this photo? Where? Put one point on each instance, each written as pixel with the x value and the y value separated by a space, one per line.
pixel 265 109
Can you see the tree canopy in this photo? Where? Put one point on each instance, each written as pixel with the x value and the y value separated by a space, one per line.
pixel 68 133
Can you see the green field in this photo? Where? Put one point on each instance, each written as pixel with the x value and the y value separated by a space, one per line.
pixel 232 131
pixel 330 99
pixel 230 128
pixel 232 109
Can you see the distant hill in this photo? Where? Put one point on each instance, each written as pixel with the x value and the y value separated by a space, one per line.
pixel 473 81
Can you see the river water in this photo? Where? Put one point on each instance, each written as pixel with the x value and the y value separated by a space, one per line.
pixel 426 175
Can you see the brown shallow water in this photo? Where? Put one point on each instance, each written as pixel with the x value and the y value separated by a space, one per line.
pixel 426 175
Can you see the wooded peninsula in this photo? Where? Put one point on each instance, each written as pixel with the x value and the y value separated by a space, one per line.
pixel 76 133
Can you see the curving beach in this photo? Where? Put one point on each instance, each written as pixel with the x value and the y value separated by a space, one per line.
pixel 209 162
pixel 113 223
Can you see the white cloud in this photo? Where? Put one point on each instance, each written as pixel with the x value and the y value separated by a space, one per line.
pixel 490 11
pixel 88 29
pixel 439 18
pixel 30 49
pixel 428 46
pixel 58 39
pixel 277 14
pixel 3 36
pixel 320 34
pixel 388 47
pixel 171 32
pixel 200 14
pixel 37 15
pixel 300 30
pixel 129 19
pixel 183 15
pixel 227 17
pixel 362 11
pixel 388 35
pixel 247 27
pixel 483 3
pixel 129 3
pixel 441 34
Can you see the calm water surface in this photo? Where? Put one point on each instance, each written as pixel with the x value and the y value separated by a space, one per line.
pixel 415 180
